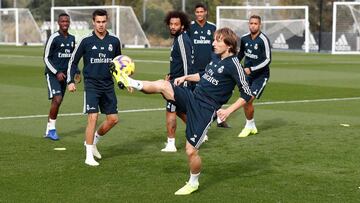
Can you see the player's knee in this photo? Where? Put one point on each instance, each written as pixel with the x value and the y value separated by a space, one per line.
pixel 191 151
pixel 113 120
pixel 57 100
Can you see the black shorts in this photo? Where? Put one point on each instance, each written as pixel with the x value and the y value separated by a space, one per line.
pixel 106 101
pixel 199 115
pixel 257 84
pixel 55 87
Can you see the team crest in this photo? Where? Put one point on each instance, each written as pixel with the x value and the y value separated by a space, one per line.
pixel 256 46
pixel 209 32
pixel 221 69
pixel 110 47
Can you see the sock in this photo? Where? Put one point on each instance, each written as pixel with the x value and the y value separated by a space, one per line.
pixel 194 179
pixel 47 128
pixel 250 123
pixel 137 84
pixel 96 138
pixel 51 124
pixel 89 153
pixel 171 141
pixel 218 120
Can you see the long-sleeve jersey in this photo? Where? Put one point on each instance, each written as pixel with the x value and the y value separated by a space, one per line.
pixel 97 55
pixel 57 52
pixel 181 59
pixel 257 53
pixel 217 83
pixel 202 39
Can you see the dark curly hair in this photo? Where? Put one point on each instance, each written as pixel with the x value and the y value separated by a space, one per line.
pixel 184 19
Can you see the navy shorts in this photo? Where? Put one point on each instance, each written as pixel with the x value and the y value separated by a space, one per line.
pixel 171 107
pixel 104 100
pixel 257 84
pixel 55 88
pixel 199 115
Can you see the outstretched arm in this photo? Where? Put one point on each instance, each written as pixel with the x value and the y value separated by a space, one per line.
pixel 192 78
pixel 223 114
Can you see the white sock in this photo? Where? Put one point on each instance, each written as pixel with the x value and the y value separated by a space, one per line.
pixel 171 141
pixel 218 120
pixel 96 138
pixel 250 123
pixel 51 124
pixel 137 84
pixel 89 153
pixel 194 179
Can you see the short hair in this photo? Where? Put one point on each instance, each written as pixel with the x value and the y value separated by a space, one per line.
pixel 229 37
pixel 184 19
pixel 256 17
pixel 63 14
pixel 99 12
pixel 200 5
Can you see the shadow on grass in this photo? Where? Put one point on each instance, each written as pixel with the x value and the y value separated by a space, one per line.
pixel 246 168
pixel 134 145
pixel 271 124
pixel 80 130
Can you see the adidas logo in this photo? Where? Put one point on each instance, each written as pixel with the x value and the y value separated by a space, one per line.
pixel 62 45
pixel 342 44
pixel 280 42
pixel 94 47
pixel 312 43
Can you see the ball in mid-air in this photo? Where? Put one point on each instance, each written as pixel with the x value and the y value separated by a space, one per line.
pixel 124 64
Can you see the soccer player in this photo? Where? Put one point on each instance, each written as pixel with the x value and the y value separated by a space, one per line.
pixel 214 89
pixel 255 47
pixel 180 64
pixel 97 49
pixel 57 53
pixel 201 34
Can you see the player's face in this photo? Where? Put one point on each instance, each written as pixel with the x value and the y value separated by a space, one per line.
pixel 200 14
pixel 64 23
pixel 100 24
pixel 219 45
pixel 175 26
pixel 254 25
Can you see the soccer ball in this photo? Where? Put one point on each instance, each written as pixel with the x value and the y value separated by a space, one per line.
pixel 124 64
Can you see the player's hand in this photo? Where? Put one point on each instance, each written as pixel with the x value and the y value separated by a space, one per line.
pixel 71 87
pixel 179 81
pixel 167 77
pixel 122 86
pixel 223 114
pixel 247 71
pixel 77 78
pixel 60 76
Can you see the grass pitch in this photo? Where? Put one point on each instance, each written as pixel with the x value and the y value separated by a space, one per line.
pixel 301 154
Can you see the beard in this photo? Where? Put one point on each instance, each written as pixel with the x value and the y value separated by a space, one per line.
pixel 175 34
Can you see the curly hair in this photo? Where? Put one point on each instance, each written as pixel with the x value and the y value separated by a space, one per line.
pixel 184 19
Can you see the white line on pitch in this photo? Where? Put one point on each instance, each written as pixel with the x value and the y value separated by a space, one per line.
pixel 162 109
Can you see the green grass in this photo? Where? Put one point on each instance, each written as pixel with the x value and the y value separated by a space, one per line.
pixel 302 153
